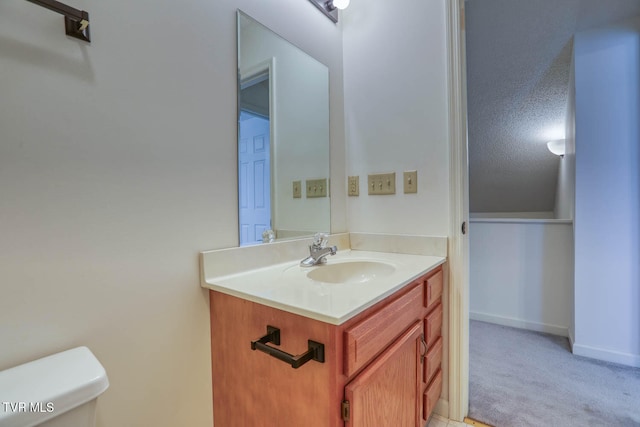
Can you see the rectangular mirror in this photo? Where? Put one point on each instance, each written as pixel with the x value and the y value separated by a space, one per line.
pixel 283 137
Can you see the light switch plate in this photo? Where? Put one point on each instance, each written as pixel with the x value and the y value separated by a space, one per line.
pixel 381 184
pixel 297 189
pixel 354 186
pixel 411 182
pixel 316 187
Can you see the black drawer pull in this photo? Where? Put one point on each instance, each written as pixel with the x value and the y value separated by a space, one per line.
pixel 315 351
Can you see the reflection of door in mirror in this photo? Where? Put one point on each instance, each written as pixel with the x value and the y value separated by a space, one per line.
pixel 254 158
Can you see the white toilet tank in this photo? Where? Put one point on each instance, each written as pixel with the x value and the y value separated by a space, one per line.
pixel 56 391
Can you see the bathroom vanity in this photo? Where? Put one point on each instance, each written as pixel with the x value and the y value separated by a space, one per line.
pixel 370 325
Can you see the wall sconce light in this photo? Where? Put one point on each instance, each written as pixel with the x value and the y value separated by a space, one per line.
pixel 557 147
pixel 330 7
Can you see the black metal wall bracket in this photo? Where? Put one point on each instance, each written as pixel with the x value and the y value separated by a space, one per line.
pixel 315 351
pixel 76 22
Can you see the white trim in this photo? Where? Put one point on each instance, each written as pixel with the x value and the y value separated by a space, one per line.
pixel 627 359
pixel 571 339
pixel 256 72
pixel 524 215
pixel 273 120
pixel 459 212
pixel 521 221
pixel 520 323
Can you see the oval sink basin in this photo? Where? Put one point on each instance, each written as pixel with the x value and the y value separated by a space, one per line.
pixel 350 272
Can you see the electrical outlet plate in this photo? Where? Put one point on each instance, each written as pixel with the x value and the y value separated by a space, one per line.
pixel 316 187
pixel 411 182
pixel 354 186
pixel 297 189
pixel 381 184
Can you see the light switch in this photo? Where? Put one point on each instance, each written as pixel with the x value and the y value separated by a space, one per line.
pixel 411 182
pixel 316 187
pixel 382 183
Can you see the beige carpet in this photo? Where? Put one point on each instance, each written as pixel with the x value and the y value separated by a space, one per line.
pixel 521 378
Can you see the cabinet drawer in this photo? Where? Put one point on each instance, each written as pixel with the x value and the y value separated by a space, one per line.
pixel 433 289
pixel 433 325
pixel 366 339
pixel 431 395
pixel 433 360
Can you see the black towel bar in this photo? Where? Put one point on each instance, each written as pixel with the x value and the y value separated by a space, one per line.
pixel 315 351
pixel 76 22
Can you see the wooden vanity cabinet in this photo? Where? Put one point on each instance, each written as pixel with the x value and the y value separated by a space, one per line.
pixel 386 392
pixel 432 367
pixel 379 369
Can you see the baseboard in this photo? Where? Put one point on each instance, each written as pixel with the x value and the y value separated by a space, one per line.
pixel 606 355
pixel 571 339
pixel 519 323
pixel 442 408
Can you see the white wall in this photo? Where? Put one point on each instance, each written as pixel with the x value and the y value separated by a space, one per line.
pixel 396 113
pixel 520 273
pixel 117 166
pixel 396 101
pixel 607 212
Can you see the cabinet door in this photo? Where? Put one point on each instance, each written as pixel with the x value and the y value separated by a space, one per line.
pixel 370 336
pixel 387 392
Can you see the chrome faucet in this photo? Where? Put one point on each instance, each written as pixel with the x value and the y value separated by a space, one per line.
pixel 318 251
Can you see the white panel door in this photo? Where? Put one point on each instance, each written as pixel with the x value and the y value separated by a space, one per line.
pixel 254 182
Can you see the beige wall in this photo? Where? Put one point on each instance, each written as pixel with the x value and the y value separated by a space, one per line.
pixel 396 107
pixel 117 166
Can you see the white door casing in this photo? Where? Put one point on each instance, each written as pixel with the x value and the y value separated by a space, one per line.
pixel 459 205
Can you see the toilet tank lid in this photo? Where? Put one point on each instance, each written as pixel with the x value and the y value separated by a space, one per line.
pixel 42 389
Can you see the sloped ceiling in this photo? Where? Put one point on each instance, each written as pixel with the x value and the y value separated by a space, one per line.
pixel 518 61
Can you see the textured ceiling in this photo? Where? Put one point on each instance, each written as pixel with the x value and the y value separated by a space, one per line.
pixel 518 61
pixel 255 98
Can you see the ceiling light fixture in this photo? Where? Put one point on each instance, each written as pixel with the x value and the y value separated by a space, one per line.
pixel 557 147
pixel 330 7
pixel 341 4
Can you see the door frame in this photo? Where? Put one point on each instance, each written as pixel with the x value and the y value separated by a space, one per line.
pixel 459 210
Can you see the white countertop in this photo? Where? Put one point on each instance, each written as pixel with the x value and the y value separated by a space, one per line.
pixel 286 286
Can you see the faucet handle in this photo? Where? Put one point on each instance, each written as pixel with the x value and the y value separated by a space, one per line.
pixel 320 240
